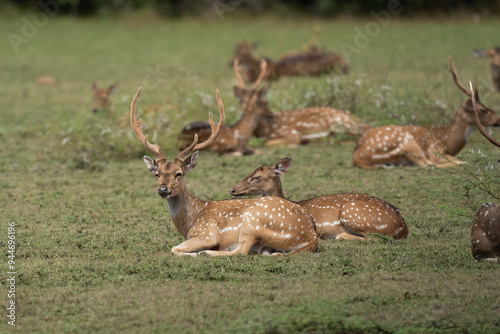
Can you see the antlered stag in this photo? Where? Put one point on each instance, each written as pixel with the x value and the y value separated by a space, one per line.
pixel 349 216
pixel 268 226
pixel 485 233
pixel 234 138
pixel 394 145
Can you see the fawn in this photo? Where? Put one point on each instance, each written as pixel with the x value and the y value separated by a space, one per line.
pixel 101 99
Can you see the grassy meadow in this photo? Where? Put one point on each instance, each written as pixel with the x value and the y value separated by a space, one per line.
pixel 93 238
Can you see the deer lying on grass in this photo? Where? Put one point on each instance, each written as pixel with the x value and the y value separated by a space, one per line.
pixel 270 226
pixel 234 138
pixel 485 233
pixel 349 216
pixel 313 62
pixel 101 99
pixel 395 145
pixel 494 55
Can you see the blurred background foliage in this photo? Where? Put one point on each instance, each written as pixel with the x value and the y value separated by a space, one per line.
pixel 324 8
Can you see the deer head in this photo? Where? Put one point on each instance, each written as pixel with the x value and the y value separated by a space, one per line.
pixel 101 99
pixel 170 175
pixel 264 180
pixel 486 115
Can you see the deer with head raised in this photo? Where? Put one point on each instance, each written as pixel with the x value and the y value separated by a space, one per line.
pixel 101 99
pixel 395 145
pixel 269 226
pixel 349 216
pixel 485 233
pixel 311 62
pixel 234 138
pixel 494 55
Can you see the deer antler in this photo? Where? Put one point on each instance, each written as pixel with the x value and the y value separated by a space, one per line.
pixel 478 121
pixel 263 66
pixel 453 72
pixel 136 126
pixel 216 130
pixel 236 67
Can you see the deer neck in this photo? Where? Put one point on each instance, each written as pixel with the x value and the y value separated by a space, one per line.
pixel 184 209
pixel 276 191
pixel 247 123
pixel 454 135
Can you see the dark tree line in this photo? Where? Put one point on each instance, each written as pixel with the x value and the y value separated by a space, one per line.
pixel 326 8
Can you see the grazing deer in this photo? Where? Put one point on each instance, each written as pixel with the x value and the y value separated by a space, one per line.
pixel 270 226
pixel 423 146
pixel 349 216
pixel 485 233
pixel 312 62
pixel 234 138
pixel 101 99
pixel 494 55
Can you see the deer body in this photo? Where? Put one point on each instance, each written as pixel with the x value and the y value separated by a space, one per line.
pixel 312 62
pixel 268 226
pixel 485 233
pixel 299 126
pixel 349 216
pixel 395 145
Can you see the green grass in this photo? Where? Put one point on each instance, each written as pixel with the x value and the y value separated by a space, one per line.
pixel 94 239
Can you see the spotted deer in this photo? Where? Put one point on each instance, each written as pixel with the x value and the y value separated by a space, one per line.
pixel 269 226
pixel 234 138
pixel 349 216
pixel 395 145
pixel 101 99
pixel 485 233
pixel 312 62
pixel 494 55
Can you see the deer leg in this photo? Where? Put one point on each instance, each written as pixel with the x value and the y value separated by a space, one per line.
pixel 193 246
pixel 445 160
pixel 348 236
pixel 284 142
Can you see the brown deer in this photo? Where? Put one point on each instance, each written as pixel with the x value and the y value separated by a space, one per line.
pixel 485 233
pixel 234 138
pixel 101 99
pixel 394 145
pixel 349 216
pixel 312 62
pixel 270 226
pixel 494 55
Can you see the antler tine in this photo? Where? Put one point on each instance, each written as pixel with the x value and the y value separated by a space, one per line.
pixel 136 126
pixel 236 67
pixel 478 121
pixel 453 72
pixel 263 66
pixel 216 130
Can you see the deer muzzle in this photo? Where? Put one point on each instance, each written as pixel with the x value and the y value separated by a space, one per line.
pixel 163 191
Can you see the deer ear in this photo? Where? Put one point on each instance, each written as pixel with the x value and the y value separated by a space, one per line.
pixel 112 88
pixel 190 162
pixel 282 166
pixel 150 163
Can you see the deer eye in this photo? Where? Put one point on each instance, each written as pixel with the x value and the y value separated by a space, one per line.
pixel 178 174
pixel 255 178
pixel 484 111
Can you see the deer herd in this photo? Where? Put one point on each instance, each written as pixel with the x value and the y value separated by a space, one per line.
pixel 273 225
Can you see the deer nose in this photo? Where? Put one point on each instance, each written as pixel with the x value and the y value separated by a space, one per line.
pixel 163 190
